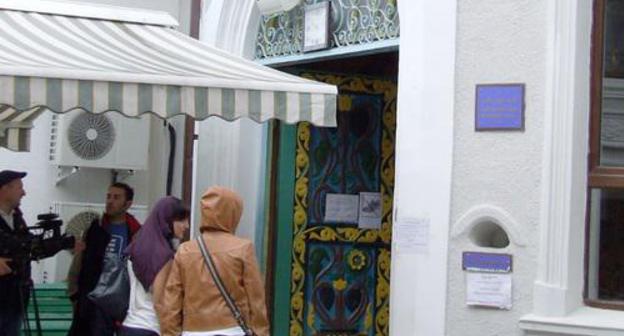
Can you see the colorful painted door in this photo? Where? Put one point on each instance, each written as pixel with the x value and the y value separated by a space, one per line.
pixel 340 271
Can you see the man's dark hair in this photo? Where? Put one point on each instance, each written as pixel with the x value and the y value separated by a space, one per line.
pixel 127 190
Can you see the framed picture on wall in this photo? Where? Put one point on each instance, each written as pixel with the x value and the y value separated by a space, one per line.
pixel 316 27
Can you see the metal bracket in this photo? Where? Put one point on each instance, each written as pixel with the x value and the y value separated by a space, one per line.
pixel 63 172
pixel 120 175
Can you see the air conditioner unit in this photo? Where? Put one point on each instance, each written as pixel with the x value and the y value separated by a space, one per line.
pixel 109 140
pixel 77 218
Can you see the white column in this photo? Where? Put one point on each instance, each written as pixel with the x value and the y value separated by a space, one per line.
pixel 423 163
pixel 559 283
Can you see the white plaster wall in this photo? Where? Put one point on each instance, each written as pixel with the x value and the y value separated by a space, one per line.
pixel 231 154
pixel 497 42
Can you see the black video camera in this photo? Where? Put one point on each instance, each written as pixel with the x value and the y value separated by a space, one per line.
pixel 42 241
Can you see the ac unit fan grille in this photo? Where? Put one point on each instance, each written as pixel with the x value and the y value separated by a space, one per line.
pixel 91 136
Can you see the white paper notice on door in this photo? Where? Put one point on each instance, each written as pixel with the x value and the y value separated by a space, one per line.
pixel 370 210
pixel 488 290
pixel 341 208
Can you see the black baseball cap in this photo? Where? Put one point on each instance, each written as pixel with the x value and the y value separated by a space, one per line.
pixel 7 176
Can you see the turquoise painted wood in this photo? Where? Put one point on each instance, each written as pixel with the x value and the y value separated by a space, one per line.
pixel 285 190
pixel 55 310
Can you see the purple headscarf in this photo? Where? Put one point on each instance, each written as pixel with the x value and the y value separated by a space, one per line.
pixel 151 250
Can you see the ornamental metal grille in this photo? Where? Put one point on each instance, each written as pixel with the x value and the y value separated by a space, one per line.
pixel 352 22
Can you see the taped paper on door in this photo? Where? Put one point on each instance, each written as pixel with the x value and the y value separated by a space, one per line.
pixel 341 208
pixel 370 210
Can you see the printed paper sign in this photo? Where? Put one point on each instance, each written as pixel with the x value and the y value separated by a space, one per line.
pixel 488 289
pixel 370 210
pixel 411 235
pixel 341 208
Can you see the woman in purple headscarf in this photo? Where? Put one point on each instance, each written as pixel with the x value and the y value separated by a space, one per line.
pixel 150 255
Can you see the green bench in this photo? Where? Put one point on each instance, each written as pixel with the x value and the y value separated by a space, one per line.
pixel 55 310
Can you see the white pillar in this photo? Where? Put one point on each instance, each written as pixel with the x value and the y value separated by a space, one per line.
pixel 559 283
pixel 423 163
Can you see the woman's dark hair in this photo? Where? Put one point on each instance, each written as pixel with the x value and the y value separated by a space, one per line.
pixel 180 211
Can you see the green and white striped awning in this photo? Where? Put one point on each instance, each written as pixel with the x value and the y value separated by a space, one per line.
pixel 61 59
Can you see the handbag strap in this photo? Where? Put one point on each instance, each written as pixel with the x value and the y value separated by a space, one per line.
pixel 226 295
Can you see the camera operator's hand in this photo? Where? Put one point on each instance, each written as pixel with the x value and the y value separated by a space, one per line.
pixel 4 267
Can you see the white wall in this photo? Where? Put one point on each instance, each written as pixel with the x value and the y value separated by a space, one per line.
pixel 232 154
pixel 497 42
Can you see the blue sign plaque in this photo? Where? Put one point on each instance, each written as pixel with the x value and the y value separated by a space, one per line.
pixel 499 107
pixel 486 262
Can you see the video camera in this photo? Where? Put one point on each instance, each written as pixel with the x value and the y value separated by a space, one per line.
pixel 41 241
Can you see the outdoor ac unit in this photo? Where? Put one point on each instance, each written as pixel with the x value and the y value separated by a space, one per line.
pixel 109 140
pixel 77 218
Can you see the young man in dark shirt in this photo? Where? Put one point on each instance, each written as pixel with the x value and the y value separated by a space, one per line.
pixel 105 238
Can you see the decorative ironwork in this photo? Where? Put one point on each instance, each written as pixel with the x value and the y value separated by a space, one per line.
pixel 373 245
pixel 352 22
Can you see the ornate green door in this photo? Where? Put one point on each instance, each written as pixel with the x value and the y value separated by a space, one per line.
pixel 340 272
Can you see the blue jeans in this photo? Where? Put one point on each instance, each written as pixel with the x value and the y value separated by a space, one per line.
pixel 10 324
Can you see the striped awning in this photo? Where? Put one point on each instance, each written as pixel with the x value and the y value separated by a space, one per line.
pixel 69 60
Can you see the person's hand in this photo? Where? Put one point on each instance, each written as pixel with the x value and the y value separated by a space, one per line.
pixel 79 246
pixel 4 267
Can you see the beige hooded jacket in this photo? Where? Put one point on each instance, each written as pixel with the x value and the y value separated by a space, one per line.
pixel 191 301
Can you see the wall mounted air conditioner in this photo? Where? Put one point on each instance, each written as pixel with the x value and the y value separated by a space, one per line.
pixel 109 140
pixel 77 218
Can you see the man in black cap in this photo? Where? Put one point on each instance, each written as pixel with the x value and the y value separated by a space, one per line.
pixel 14 299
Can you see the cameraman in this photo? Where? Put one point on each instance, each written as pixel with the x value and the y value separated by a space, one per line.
pixel 12 224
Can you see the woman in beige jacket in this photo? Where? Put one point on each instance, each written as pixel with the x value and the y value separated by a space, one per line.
pixel 192 304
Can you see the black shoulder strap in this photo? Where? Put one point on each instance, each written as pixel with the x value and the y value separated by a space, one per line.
pixel 226 295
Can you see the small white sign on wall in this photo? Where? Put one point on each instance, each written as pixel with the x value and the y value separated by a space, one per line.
pixel 488 290
pixel 341 208
pixel 370 210
pixel 411 235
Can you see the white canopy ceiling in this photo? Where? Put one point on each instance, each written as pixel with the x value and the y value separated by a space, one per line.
pixel 62 57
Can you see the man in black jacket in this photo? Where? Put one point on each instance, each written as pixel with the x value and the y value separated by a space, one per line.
pixel 107 237
pixel 14 279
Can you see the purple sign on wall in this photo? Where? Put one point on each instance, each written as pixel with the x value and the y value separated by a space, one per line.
pixel 486 262
pixel 499 107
